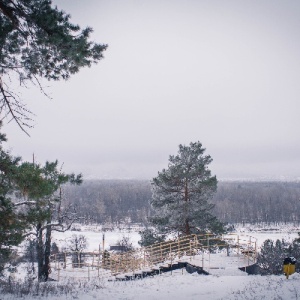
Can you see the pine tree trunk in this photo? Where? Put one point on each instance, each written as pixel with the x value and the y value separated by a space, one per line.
pixel 46 268
pixel 187 227
pixel 43 253
pixel 186 199
pixel 40 252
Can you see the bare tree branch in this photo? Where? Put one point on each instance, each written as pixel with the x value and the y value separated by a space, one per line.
pixel 25 203
pixel 17 115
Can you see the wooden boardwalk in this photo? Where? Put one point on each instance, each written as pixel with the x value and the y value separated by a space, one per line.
pixel 205 254
pixel 217 264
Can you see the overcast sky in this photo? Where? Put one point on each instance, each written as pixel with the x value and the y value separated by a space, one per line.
pixel 225 73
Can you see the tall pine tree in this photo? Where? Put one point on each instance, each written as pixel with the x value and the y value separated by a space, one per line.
pixel 12 222
pixel 31 203
pixel 41 200
pixel 38 41
pixel 181 193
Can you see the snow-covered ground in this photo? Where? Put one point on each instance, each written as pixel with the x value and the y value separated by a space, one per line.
pixel 288 232
pixel 94 236
pixel 179 284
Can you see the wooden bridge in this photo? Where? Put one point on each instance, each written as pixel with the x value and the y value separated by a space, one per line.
pixel 207 254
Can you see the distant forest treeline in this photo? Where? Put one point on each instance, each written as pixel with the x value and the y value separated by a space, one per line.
pixel 235 202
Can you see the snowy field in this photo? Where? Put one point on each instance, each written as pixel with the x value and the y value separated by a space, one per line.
pixel 179 284
pixel 183 286
pixel 94 234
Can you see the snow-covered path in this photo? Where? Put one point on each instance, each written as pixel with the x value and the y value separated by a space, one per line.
pixel 180 286
pixel 194 287
pixel 222 265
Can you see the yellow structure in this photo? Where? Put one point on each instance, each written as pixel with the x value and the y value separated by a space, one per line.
pixel 288 270
pixel 289 266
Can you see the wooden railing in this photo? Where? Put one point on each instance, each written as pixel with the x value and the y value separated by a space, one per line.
pixel 101 264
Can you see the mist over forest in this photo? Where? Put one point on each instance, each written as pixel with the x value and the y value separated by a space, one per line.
pixel 114 201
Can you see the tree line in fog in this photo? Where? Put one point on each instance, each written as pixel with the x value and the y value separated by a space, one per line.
pixel 116 201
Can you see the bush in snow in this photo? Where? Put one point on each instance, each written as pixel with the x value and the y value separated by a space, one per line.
pixel 32 288
pixel 125 243
pixel 149 237
pixel 295 251
pixel 77 244
pixel 272 255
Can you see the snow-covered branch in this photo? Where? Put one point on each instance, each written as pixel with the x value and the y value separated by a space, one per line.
pixel 27 202
pixel 28 234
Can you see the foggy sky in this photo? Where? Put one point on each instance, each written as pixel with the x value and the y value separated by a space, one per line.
pixel 225 73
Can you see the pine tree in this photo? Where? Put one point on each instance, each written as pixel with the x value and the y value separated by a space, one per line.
pixel 181 193
pixel 272 255
pixel 12 223
pixel 41 201
pixel 38 41
pixel 149 237
pixel 31 204
pixel 294 251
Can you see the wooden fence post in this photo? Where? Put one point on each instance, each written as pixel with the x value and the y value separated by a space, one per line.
pixel 171 257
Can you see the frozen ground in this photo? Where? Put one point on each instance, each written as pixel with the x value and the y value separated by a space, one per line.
pixel 179 284
pixel 184 286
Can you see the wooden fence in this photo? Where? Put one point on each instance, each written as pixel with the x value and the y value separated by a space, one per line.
pixel 105 264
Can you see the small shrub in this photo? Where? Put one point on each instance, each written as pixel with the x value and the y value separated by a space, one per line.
pixel 77 244
pixel 149 237
pixel 125 244
pixel 33 288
